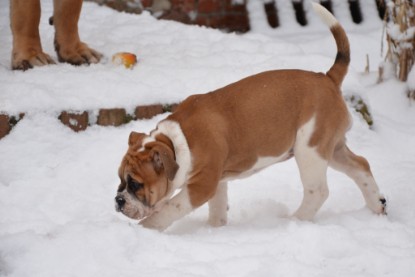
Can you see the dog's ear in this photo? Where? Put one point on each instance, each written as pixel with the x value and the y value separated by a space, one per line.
pixel 135 137
pixel 163 158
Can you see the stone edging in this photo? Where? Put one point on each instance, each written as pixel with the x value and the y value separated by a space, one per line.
pixel 79 121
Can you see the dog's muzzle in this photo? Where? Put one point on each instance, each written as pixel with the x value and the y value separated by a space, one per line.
pixel 119 203
pixel 131 207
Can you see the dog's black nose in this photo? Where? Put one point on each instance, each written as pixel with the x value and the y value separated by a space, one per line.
pixel 120 201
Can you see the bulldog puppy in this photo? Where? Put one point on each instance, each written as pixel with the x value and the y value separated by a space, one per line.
pixel 238 130
pixel 27 49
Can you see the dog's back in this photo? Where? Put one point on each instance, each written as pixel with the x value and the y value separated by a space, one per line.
pixel 274 100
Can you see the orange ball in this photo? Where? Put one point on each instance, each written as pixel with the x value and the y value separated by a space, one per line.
pixel 125 58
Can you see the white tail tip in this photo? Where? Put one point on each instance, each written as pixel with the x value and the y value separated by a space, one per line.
pixel 325 15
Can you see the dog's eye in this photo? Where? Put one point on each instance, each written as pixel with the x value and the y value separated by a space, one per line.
pixel 133 185
pixel 121 187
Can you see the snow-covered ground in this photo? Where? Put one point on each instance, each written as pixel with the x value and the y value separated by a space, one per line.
pixel 57 187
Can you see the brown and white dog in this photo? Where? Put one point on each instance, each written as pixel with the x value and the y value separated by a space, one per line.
pixel 238 130
pixel 27 48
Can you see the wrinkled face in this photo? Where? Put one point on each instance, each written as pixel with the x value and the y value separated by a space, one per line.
pixel 145 175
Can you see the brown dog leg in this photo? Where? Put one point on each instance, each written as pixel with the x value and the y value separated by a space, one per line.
pixel 27 49
pixel 68 45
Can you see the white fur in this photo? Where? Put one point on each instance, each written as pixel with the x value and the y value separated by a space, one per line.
pixel 173 209
pixel 369 189
pixel 313 170
pixel 325 15
pixel 218 206
pixel 173 131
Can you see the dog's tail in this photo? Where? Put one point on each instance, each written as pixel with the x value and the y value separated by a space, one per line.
pixel 338 70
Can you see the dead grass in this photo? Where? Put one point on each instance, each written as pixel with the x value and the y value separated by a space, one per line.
pixel 400 29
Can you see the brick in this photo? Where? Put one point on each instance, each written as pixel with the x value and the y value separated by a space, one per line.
pixel 112 117
pixel 235 23
pixel 147 3
pixel 122 6
pixel 231 22
pixel 201 20
pixel 185 6
pixel 75 121
pixel 176 15
pixel 170 108
pixel 147 112
pixel 4 125
pixel 213 21
pixel 210 6
pixel 235 7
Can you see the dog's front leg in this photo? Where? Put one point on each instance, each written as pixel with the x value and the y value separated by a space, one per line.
pixel 200 188
pixel 174 209
pixel 218 206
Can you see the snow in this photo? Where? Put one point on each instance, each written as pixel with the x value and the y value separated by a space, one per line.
pixel 411 79
pixel 57 187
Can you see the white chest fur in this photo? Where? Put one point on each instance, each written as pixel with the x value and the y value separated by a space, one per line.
pixel 173 130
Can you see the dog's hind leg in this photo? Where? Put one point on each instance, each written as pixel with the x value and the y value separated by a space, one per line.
pixel 358 169
pixel 218 206
pixel 313 170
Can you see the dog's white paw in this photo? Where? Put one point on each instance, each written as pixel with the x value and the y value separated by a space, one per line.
pixel 217 222
pixel 152 222
pixel 384 205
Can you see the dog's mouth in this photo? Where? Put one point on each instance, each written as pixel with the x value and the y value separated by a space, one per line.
pixel 136 214
pixel 132 209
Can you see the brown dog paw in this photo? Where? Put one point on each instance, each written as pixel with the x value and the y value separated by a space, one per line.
pixel 24 60
pixel 77 54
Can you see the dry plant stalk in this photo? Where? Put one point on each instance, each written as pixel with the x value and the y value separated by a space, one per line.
pixel 367 67
pixel 400 30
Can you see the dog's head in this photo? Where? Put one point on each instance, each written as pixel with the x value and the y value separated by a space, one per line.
pixel 146 172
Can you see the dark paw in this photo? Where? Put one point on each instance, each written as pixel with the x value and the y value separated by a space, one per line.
pixel 22 65
pixel 384 205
